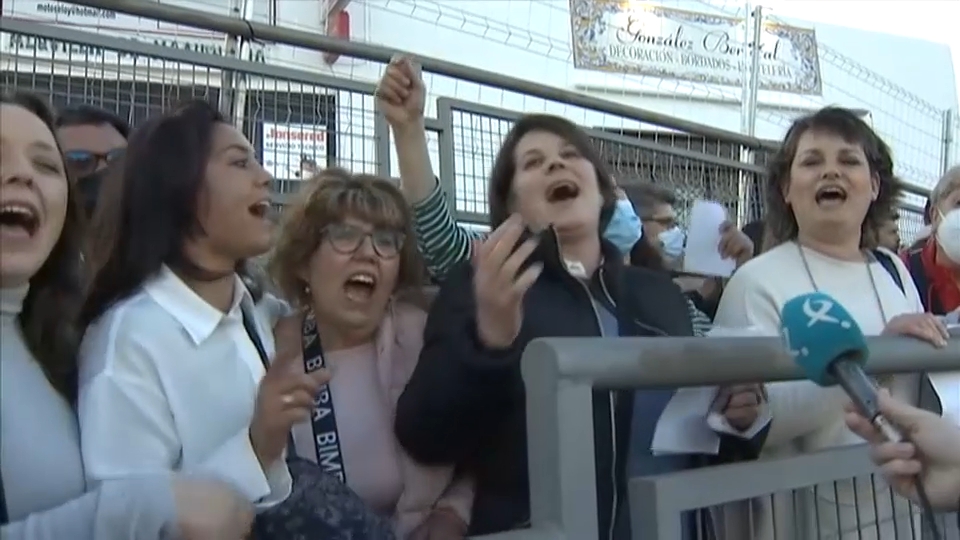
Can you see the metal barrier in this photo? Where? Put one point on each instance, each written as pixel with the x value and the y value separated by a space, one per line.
pixel 559 386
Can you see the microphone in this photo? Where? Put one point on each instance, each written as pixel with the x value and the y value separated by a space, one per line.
pixel 828 345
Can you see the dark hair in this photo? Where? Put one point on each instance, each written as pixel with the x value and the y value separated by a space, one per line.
pixel 163 173
pixel 754 231
pixel 647 196
pixel 780 218
pixel 48 319
pixel 927 208
pixel 504 167
pixel 330 197
pixel 645 255
pixel 87 115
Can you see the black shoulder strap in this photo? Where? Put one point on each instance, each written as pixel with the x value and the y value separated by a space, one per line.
pixel 890 266
pixel 251 327
pixel 4 518
pixel 915 265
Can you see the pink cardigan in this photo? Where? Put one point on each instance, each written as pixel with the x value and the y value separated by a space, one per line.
pixel 398 343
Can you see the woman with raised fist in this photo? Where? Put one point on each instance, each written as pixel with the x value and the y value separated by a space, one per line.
pixel 545 271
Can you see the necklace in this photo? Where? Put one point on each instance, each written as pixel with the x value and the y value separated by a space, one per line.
pixel 868 258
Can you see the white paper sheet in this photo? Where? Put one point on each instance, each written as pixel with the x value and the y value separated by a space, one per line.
pixel 688 424
pixel 682 428
pixel 701 255
pixel 947 386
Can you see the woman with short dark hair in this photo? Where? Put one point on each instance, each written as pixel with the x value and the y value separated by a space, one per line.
pixel 545 271
pixel 829 186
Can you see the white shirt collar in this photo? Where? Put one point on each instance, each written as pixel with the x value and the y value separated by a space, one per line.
pixel 197 317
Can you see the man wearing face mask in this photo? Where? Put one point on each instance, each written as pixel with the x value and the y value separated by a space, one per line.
pixel 92 140
pixel 655 205
pixel 935 267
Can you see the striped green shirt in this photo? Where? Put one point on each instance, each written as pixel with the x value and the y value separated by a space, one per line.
pixel 444 244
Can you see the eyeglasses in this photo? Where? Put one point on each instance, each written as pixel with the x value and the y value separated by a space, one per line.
pixel 347 239
pixel 84 162
pixel 666 222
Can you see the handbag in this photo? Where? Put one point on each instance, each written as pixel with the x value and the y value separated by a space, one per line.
pixel 320 506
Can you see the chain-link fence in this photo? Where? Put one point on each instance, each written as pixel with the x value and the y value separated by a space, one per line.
pixel 952 129
pixel 337 118
pixel 333 120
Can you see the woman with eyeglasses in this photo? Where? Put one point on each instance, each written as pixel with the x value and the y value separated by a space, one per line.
pixel 348 259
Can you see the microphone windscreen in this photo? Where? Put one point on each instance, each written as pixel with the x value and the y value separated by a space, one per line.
pixel 817 331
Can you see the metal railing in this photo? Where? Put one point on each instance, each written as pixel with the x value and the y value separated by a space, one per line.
pixel 559 386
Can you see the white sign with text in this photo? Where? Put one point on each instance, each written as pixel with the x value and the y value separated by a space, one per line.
pixel 649 40
pixel 294 151
pixel 107 22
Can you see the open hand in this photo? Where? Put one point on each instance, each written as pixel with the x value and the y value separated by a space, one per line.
pixel 499 284
pixel 210 510
pixel 923 326
pixel 285 398
pixel 734 244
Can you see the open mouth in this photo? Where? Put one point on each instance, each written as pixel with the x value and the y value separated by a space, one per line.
pixel 19 219
pixel 360 286
pixel 831 195
pixel 261 210
pixel 561 191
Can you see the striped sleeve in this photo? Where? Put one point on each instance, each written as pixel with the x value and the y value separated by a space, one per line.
pixel 701 323
pixel 442 242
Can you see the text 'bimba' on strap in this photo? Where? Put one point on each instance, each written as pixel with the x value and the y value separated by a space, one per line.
pixel 326 438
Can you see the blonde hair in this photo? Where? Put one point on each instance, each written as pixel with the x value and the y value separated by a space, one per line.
pixel 949 182
pixel 330 197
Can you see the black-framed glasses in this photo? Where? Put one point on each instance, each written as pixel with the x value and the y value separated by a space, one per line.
pixel 84 162
pixel 346 239
pixel 665 222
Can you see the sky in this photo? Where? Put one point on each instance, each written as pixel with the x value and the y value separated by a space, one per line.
pixel 933 20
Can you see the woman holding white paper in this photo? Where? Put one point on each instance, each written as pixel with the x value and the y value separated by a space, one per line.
pixel 831 180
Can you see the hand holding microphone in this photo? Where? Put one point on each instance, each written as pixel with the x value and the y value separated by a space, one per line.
pixel 828 345
pixel 933 453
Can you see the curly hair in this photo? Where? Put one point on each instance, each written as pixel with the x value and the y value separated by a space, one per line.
pixel 330 197
pixel 49 318
pixel 780 219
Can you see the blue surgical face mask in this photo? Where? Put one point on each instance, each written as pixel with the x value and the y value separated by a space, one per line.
pixel 672 241
pixel 624 229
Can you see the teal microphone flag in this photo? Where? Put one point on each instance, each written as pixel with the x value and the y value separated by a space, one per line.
pixel 817 331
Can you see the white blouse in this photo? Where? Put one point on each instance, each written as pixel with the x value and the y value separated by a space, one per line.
pixel 168 382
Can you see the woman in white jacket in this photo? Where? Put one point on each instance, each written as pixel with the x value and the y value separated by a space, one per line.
pixel 829 186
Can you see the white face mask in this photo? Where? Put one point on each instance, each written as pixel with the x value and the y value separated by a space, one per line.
pixel 948 234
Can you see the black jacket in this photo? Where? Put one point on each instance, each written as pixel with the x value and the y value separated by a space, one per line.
pixel 465 404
